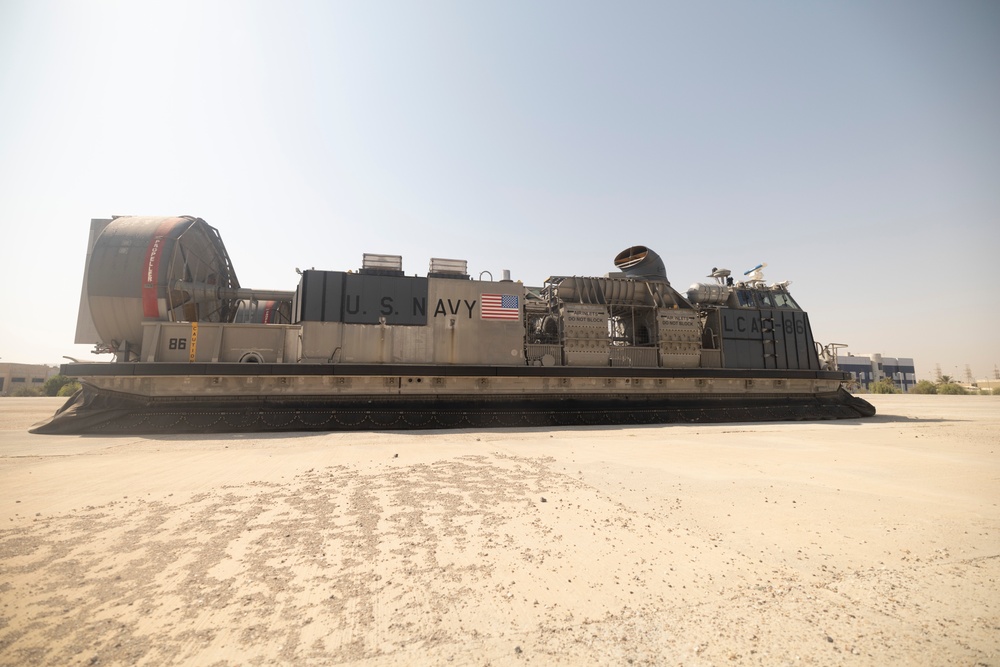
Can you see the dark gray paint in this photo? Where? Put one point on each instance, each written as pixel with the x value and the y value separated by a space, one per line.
pixel 335 296
pixel 779 339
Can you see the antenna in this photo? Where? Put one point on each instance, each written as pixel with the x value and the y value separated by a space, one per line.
pixel 756 274
pixel 720 275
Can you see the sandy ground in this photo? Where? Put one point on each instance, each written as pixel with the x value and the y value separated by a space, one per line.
pixel 868 542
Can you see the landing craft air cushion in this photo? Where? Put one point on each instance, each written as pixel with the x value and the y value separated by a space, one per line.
pixel 194 352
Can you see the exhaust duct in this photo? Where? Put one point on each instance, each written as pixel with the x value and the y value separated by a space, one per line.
pixel 641 263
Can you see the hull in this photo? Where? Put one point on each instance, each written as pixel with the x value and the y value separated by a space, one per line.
pixel 232 398
pixel 379 348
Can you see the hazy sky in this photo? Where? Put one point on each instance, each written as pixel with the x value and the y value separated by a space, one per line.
pixel 854 146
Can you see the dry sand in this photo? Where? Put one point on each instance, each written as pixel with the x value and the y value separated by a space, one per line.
pixel 863 542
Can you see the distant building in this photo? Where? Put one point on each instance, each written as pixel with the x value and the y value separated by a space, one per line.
pixel 988 384
pixel 20 376
pixel 868 368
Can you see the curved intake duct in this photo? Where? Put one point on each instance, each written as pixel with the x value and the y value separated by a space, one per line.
pixel 641 263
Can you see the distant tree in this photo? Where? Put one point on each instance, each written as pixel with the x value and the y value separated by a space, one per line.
pixel 884 386
pixel 27 391
pixel 924 387
pixel 996 391
pixel 951 388
pixel 944 379
pixel 54 384
pixel 69 388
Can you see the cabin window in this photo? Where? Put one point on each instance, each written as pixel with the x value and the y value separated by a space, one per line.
pixel 745 298
pixel 765 299
pixel 784 300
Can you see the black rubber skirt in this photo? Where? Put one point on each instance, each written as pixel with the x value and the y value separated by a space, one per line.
pixel 91 411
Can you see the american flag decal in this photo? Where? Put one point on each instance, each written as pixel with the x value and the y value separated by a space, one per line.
pixel 500 306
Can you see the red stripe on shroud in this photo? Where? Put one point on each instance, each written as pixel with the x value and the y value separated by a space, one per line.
pixel 151 269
